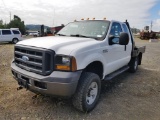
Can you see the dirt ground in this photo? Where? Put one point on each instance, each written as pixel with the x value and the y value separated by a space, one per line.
pixel 128 97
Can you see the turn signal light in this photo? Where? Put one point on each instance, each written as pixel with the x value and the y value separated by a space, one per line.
pixel 74 64
pixel 63 67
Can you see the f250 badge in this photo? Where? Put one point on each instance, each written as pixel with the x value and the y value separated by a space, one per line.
pixel 25 58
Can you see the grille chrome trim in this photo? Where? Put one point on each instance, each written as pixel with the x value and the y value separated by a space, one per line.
pixel 31 56
pixel 41 61
pixel 28 62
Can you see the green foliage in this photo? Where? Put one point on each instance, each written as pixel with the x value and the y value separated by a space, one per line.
pixel 158 35
pixel 1 22
pixel 17 18
pixel 15 23
pixel 2 25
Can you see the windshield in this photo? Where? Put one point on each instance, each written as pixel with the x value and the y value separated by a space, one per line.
pixel 90 29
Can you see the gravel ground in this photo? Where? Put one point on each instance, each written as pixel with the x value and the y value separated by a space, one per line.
pixel 127 97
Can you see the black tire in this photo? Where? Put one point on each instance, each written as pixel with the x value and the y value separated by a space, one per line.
pixel 133 65
pixel 84 91
pixel 15 40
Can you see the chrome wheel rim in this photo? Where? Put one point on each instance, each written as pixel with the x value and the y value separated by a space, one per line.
pixel 15 40
pixel 92 93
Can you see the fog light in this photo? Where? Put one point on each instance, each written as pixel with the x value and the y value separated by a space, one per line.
pixel 40 84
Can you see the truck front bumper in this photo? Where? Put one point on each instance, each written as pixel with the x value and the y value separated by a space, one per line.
pixel 58 83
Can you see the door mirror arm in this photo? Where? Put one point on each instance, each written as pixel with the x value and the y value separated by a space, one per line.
pixel 111 37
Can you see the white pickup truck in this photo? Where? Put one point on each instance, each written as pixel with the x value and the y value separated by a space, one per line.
pixel 75 61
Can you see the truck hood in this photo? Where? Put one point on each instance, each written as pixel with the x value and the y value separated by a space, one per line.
pixel 60 44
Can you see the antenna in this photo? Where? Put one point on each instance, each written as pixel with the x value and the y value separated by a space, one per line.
pixel 10 16
pixel 151 25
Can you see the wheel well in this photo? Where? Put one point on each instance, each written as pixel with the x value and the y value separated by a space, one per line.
pixel 14 38
pixel 139 58
pixel 95 67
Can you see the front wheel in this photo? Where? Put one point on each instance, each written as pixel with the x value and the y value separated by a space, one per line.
pixel 88 92
pixel 15 40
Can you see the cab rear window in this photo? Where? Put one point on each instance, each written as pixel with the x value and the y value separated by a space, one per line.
pixel 15 32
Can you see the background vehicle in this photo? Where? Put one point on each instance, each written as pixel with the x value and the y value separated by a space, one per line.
pixel 145 34
pixel 10 35
pixel 75 61
pixel 34 33
pixel 148 35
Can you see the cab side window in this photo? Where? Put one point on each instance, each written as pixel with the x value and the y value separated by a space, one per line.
pixel 115 31
pixel 0 32
pixel 125 28
pixel 6 32
pixel 15 32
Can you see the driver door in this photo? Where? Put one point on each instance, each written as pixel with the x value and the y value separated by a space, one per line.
pixel 116 53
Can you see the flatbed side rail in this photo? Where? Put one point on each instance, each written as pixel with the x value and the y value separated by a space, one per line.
pixel 138 50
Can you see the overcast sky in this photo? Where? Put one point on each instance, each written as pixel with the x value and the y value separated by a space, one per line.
pixel 56 12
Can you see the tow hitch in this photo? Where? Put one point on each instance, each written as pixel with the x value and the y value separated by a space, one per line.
pixel 23 84
pixel 19 88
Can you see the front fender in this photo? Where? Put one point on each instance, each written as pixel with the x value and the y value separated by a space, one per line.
pixel 84 60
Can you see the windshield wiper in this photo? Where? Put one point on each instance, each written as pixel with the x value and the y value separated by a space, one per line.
pixel 78 35
pixel 60 34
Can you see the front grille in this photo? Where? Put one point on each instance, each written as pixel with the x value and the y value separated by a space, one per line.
pixel 33 59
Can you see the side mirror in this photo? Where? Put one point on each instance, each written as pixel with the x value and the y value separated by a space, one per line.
pixel 123 39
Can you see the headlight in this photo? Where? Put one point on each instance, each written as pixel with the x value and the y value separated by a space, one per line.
pixel 65 63
pixel 66 60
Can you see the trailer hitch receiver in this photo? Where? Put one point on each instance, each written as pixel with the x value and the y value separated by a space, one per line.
pixel 19 88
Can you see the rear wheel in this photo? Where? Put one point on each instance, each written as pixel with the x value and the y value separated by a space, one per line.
pixel 88 92
pixel 15 40
pixel 133 65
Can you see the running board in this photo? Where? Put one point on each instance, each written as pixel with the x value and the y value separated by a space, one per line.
pixel 116 73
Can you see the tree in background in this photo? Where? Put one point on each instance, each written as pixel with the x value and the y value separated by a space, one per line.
pixel 17 18
pixel 2 25
pixel 17 23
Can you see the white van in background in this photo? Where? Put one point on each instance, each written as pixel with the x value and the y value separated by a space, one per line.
pixel 10 35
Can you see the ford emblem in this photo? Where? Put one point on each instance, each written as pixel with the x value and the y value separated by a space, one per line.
pixel 25 58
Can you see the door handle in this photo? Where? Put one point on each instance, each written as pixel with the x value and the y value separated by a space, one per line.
pixel 105 50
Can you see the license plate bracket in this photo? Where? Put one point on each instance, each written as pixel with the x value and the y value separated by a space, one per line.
pixel 22 83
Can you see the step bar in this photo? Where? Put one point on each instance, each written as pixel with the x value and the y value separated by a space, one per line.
pixel 116 73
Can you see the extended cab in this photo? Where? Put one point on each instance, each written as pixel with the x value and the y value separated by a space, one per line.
pixel 75 61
